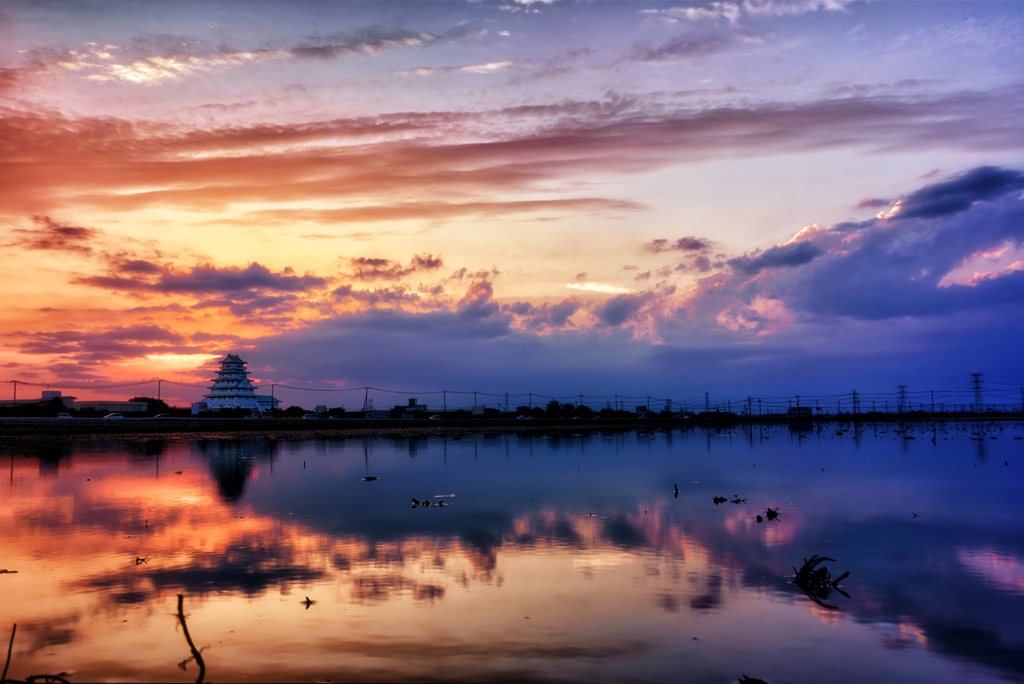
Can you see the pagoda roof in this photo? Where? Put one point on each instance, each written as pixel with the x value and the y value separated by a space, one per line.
pixel 232 357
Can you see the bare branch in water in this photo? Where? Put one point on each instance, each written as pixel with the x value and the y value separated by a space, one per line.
pixel 195 651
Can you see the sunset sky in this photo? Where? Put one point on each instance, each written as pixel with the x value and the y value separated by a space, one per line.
pixel 767 197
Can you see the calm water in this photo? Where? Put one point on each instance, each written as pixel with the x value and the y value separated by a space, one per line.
pixel 553 559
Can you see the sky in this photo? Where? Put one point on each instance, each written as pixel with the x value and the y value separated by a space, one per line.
pixel 764 197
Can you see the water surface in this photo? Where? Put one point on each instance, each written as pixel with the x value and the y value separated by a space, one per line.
pixel 553 558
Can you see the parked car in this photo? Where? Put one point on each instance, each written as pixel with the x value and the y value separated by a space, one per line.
pixel 435 417
pixel 310 416
pixel 162 416
pixel 64 415
pixel 114 416
pixel 524 417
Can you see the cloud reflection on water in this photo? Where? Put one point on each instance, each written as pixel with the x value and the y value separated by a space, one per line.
pixel 580 536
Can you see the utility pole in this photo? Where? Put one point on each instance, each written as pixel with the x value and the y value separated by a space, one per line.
pixel 366 398
pixel 444 399
pixel 976 382
pixel 902 399
pixel 798 400
pixel 750 410
pixel 856 401
pixel 506 402
pixel 474 398
pixel 758 407
pixel 531 400
pixel 616 402
pixel 707 403
pixel 933 400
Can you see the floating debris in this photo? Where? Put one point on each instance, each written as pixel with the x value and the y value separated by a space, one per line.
pixel 308 602
pixel 416 503
pixel 5 571
pixel 760 519
pixel 817 581
pixel 772 514
pixel 738 500
pixel 141 560
pixel 370 479
pixel 719 500
pixel 744 679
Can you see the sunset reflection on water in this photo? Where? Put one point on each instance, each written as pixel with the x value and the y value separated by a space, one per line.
pixel 556 558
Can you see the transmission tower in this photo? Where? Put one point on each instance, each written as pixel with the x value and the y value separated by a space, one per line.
pixel 976 386
pixel 903 399
pixel 856 401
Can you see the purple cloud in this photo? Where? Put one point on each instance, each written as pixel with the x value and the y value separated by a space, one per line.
pixel 208 279
pixel 780 256
pixel 683 244
pixel 620 309
pixel 984 184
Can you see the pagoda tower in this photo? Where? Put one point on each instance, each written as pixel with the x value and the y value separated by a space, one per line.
pixel 232 387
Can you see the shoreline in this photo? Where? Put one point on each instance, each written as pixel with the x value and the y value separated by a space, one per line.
pixel 302 430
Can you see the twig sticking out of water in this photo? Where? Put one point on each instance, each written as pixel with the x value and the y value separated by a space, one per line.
pixel 14 629
pixel 195 651
pixel 817 582
pixel 31 679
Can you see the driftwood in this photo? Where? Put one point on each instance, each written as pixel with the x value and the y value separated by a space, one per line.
pixel 817 582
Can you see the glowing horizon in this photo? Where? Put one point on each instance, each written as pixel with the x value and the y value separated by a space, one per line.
pixel 400 195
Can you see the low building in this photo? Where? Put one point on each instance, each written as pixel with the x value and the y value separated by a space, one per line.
pixel 114 406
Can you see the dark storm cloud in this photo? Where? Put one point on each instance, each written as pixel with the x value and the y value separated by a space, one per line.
pixel 209 279
pixel 620 309
pixel 781 256
pixel 545 315
pixel 983 184
pixel 881 268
